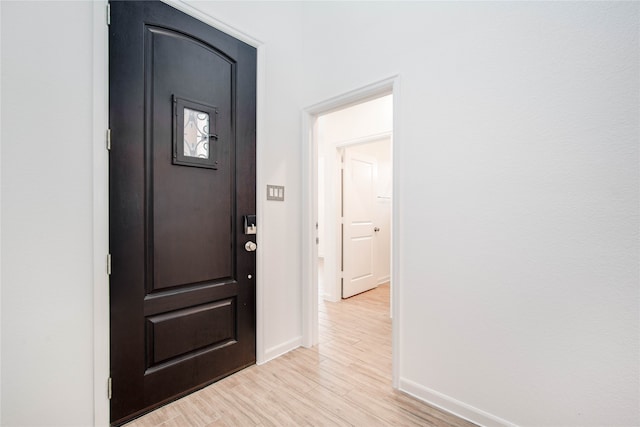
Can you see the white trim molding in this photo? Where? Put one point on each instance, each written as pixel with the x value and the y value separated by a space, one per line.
pixel 363 140
pixel 193 11
pixel 261 183
pixel 280 349
pixel 309 218
pixel 451 405
pixel 0 228
pixel 395 311
pixel 384 279
pixel 100 214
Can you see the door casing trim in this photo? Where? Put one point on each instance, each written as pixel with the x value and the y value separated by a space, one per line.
pixel 309 162
pixel 100 203
pixel 100 65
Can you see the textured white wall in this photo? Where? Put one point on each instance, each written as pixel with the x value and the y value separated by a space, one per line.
pixel 47 330
pixel 518 148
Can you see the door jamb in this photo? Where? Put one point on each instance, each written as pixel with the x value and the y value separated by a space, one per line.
pixel 310 211
pixel 100 202
pixel 100 208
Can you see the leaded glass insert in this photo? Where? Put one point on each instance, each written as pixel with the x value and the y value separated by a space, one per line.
pixel 196 133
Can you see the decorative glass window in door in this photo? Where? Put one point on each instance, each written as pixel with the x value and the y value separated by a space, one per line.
pixel 194 134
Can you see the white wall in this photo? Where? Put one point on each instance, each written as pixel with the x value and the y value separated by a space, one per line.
pixel 47 265
pixel 518 141
pixel 518 145
pixel 357 122
pixel 0 219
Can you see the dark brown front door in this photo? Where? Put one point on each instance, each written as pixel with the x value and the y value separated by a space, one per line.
pixel 182 178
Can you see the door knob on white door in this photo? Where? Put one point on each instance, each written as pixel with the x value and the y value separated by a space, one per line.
pixel 250 246
pixel 376 229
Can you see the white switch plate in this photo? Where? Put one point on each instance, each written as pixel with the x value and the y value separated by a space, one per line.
pixel 275 192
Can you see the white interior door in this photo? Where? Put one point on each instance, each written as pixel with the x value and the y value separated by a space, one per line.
pixel 358 202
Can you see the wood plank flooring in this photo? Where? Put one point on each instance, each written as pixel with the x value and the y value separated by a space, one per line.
pixel 344 381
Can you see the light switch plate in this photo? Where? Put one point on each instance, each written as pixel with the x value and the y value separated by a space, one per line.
pixel 275 192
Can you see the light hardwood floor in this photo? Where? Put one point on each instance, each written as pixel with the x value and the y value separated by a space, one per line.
pixel 345 380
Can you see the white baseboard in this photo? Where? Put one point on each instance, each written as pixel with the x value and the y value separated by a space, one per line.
pixel 383 280
pixel 452 405
pixel 330 298
pixel 279 350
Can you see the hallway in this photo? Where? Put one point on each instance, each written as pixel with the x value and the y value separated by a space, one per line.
pixel 345 380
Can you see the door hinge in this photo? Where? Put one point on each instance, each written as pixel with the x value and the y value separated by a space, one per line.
pixel 108 13
pixel 109 388
pixel 317 240
pixel 109 139
pixel 109 264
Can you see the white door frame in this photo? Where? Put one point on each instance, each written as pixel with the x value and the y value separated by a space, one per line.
pixel 101 192
pixel 310 210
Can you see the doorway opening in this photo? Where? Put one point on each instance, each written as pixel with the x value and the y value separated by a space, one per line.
pixel 354 198
pixel 323 231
